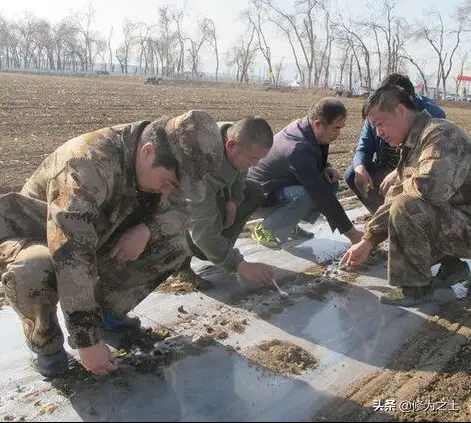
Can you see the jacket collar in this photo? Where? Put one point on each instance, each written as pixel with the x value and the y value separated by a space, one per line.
pixel 131 134
pixel 420 122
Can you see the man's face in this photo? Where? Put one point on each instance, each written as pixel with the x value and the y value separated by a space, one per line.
pixel 158 180
pixel 242 157
pixel 325 134
pixel 392 126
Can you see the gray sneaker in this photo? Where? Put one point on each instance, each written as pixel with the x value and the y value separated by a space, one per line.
pixel 55 365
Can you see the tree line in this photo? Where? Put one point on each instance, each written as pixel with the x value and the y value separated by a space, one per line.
pixel 321 41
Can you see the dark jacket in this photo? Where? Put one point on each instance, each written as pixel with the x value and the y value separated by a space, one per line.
pixel 296 158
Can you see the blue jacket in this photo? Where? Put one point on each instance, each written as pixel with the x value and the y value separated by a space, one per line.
pixel 370 146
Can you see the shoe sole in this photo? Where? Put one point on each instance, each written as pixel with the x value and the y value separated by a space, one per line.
pixel 408 302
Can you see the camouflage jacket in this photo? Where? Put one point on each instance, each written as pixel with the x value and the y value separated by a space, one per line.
pixel 435 165
pixel 76 200
pixel 207 220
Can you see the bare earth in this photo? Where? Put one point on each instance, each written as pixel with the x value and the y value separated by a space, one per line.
pixel 38 113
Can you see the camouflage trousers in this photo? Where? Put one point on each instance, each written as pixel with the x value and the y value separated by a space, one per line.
pixel 421 234
pixel 30 284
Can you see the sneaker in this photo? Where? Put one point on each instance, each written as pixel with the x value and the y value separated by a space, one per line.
pixel 408 296
pixel 265 237
pixel 187 275
pixel 451 272
pixel 125 325
pixel 300 233
pixel 54 365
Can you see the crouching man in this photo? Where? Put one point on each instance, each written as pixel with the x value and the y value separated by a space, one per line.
pixel 98 226
pixel 427 214
pixel 229 201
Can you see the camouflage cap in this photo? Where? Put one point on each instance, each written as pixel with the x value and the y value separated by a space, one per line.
pixel 195 140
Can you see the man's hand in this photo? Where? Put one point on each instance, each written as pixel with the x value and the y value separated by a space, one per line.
pixel 260 273
pixel 131 244
pixel 388 182
pixel 331 175
pixel 362 180
pixel 231 210
pixel 97 359
pixel 357 253
pixel 354 235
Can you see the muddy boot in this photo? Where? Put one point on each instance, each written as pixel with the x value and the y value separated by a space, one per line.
pixel 408 296
pixel 187 275
pixel 452 271
pixel 55 365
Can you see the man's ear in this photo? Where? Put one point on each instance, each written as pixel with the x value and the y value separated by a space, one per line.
pixel 230 143
pixel 316 125
pixel 148 152
pixel 401 109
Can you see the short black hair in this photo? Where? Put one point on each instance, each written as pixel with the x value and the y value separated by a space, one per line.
pixel 402 81
pixel 387 98
pixel 327 110
pixel 157 135
pixel 251 130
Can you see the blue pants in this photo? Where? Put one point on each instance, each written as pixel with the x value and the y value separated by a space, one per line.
pixel 375 199
pixel 293 205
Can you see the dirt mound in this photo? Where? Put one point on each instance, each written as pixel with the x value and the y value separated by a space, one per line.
pixel 282 357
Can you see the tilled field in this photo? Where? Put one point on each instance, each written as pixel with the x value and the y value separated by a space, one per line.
pixel 38 113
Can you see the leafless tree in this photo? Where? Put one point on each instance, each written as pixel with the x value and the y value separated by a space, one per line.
pixel 403 54
pixel 84 21
pixel 167 42
pixel 346 49
pixel 463 58
pixel 437 36
pixel 242 54
pixel 212 40
pixel 177 17
pixel 387 27
pixel 142 41
pixel 355 36
pixel 124 50
pixel 299 28
pixel 110 51
pixel 195 47
pixel 255 17
pixel 279 72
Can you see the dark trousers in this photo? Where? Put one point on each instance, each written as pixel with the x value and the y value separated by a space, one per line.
pixel 374 198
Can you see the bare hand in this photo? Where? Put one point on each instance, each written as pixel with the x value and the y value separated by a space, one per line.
pixel 231 210
pixel 131 244
pixel 388 181
pixel 354 235
pixel 259 273
pixel 331 175
pixel 363 180
pixel 357 253
pixel 97 359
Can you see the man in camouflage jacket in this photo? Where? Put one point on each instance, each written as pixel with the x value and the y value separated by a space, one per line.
pixel 427 214
pixel 98 226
